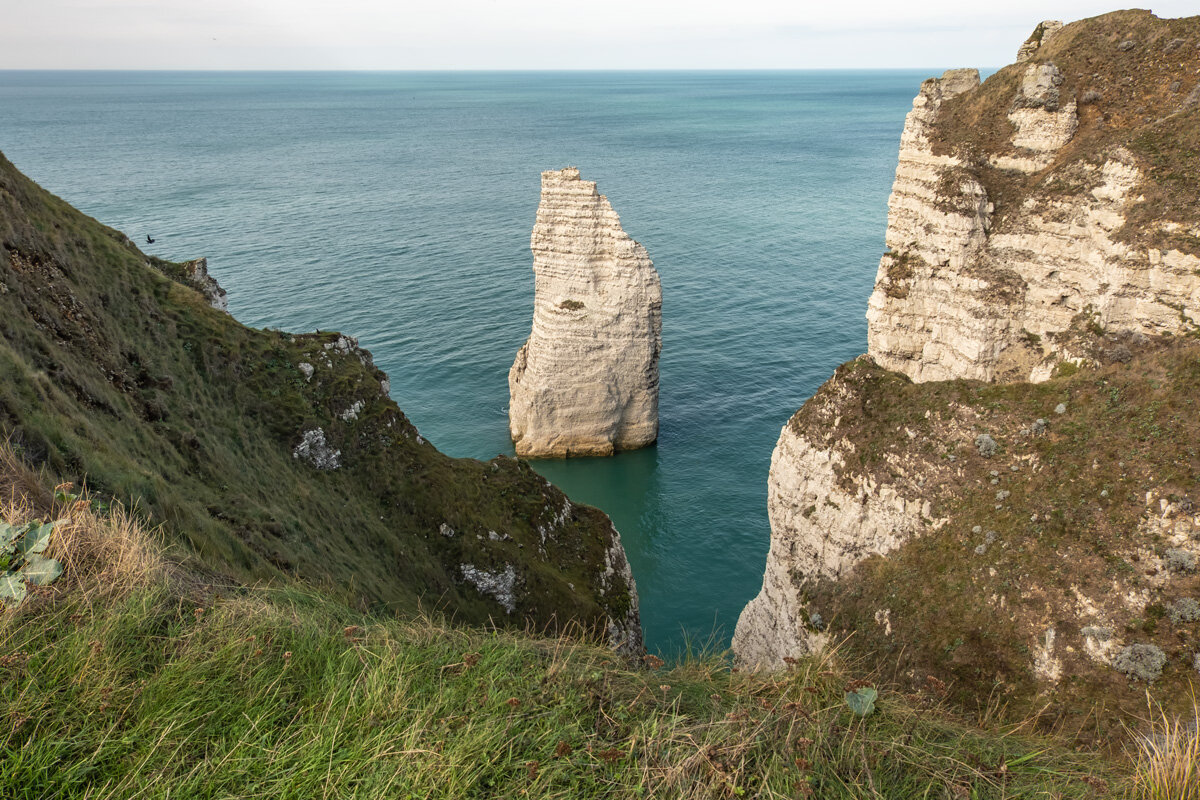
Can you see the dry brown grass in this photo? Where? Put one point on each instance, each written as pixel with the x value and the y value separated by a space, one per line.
pixel 109 553
pixel 21 488
pixel 112 552
pixel 1168 756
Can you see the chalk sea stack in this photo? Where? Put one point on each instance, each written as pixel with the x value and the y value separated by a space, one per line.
pixel 1000 493
pixel 585 383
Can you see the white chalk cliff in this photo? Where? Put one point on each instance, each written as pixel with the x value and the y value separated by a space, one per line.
pixel 964 292
pixel 586 380
pixel 1013 245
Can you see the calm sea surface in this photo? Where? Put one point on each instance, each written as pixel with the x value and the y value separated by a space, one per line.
pixel 397 207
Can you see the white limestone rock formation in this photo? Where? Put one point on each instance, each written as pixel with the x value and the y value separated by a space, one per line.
pixel 197 273
pixel 825 519
pixel 969 290
pixel 586 380
pixel 1040 36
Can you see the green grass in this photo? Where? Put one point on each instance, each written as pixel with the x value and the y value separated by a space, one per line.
pixel 284 694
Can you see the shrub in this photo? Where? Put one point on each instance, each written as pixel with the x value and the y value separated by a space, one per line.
pixel 1179 560
pixel 986 445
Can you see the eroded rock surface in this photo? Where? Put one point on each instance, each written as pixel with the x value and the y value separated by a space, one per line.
pixel 586 380
pixel 1015 238
pixel 197 273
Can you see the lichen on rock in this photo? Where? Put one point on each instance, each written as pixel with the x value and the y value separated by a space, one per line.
pixel 1142 661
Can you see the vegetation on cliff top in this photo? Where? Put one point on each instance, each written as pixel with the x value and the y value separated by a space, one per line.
pixel 116 373
pixel 132 676
pixel 1136 79
pixel 1056 530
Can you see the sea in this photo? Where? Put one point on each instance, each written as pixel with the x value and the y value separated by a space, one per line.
pixel 397 207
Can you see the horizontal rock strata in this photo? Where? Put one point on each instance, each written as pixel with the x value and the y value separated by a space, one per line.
pixel 1011 238
pixel 586 380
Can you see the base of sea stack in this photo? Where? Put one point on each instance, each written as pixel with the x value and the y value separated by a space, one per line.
pixel 578 448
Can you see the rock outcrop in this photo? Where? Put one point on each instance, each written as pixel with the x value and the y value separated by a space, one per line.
pixel 1004 536
pixel 586 380
pixel 825 519
pixel 1041 35
pixel 1027 215
pixel 197 273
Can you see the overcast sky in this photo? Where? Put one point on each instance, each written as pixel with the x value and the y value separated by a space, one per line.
pixel 524 34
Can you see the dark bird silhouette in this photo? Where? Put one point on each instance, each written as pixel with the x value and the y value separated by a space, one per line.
pixel 149 240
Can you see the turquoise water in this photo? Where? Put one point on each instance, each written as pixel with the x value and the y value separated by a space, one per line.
pixel 397 207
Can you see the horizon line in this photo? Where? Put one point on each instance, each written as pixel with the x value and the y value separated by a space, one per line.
pixel 389 70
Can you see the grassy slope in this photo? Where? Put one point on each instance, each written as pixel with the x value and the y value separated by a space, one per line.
pixel 129 678
pixel 1071 523
pixel 113 373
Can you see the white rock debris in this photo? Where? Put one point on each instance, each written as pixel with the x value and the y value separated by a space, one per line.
pixel 314 450
pixel 351 413
pixel 500 586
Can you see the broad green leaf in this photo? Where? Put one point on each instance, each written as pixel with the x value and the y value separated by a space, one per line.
pixel 8 538
pixel 37 537
pixel 862 701
pixel 12 589
pixel 40 571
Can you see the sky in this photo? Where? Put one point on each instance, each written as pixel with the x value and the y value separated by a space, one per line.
pixel 525 34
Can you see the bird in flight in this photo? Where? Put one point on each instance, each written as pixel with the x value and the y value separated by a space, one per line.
pixel 149 240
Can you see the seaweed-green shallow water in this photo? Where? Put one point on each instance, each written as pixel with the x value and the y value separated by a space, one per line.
pixel 397 207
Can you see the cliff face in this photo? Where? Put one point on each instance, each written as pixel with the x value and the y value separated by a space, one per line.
pixel 1035 213
pixel 1033 532
pixel 586 380
pixel 1028 540
pixel 825 519
pixel 267 454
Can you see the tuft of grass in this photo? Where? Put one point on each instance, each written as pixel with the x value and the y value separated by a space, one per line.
pixel 1168 755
